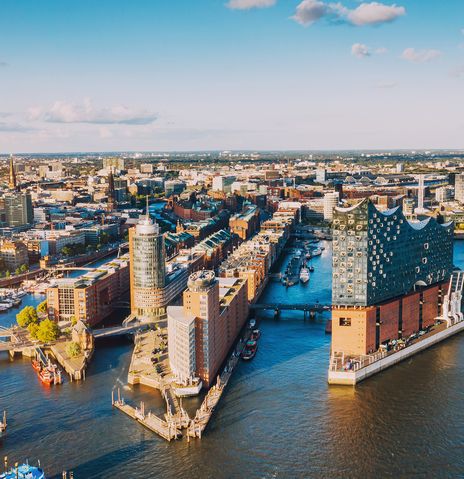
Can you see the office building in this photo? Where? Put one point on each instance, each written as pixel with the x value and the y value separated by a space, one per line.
pixel 13 255
pixel 245 224
pixel 459 188
pixel 202 331
pixel 147 268
pixel 18 209
pixel 330 202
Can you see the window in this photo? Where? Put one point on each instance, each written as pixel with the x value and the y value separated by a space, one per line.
pixel 344 321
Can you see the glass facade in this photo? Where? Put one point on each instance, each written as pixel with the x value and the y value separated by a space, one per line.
pixel 380 255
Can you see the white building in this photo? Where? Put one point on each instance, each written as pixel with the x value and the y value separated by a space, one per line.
pixel 443 194
pixel 330 202
pixel 459 188
pixel 223 183
pixel 181 344
pixel 321 175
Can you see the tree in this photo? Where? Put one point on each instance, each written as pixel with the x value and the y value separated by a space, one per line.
pixel 73 320
pixel 33 328
pixel 66 251
pixel 48 331
pixel 27 316
pixel 73 349
pixel 42 307
pixel 7 274
pixel 23 268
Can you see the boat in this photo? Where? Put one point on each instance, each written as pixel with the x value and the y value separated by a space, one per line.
pixel 304 275
pixel 36 365
pixel 24 471
pixel 255 335
pixel 252 323
pixel 46 376
pixel 308 255
pixel 249 352
pixel 317 252
pixel 311 269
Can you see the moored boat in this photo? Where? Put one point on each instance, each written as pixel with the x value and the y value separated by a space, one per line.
pixel 252 323
pixel 255 335
pixel 24 471
pixel 250 350
pixel 304 275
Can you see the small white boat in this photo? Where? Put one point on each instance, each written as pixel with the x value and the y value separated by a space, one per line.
pixel 304 275
pixel 317 252
pixel 252 323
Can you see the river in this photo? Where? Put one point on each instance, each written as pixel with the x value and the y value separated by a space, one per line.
pixel 277 419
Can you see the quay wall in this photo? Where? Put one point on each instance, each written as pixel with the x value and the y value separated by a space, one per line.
pixel 351 378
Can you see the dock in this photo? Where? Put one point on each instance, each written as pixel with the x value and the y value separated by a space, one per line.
pixel 166 429
pixel 212 398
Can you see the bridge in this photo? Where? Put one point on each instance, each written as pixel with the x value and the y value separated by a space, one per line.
pixel 308 309
pixel 118 330
pixel 14 339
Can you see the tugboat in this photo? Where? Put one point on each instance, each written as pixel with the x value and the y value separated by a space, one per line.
pixel 24 471
pixel 304 275
pixel 250 350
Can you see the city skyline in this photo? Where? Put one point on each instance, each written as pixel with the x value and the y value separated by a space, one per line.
pixel 238 74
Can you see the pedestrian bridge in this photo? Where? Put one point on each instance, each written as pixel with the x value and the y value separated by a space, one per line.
pixel 118 330
pixel 317 308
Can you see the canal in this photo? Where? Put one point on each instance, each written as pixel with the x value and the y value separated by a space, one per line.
pixel 278 418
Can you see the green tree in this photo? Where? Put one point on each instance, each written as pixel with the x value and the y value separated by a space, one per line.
pixel 73 320
pixel 17 271
pixel 73 349
pixel 7 274
pixel 23 268
pixel 27 316
pixel 33 328
pixel 66 251
pixel 48 331
pixel 42 307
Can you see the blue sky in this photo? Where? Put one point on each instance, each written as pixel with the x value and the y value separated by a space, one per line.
pixel 86 75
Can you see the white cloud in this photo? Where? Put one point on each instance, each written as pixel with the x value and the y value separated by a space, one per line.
pixel 64 112
pixel 420 56
pixel 249 4
pixel 373 13
pixel 309 11
pixel 381 50
pixel 360 50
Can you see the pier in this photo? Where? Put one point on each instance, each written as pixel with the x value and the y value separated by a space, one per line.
pixel 166 429
pixel 3 423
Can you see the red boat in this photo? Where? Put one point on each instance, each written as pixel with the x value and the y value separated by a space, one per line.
pixel 36 365
pixel 46 377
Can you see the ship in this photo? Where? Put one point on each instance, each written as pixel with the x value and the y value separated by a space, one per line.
pixel 304 275
pixel 24 471
pixel 249 352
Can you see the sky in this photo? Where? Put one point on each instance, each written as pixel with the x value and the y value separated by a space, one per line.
pixel 160 75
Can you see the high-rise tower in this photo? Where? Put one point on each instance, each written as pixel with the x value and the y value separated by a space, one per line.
pixel 147 269
pixel 12 184
pixel 111 193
